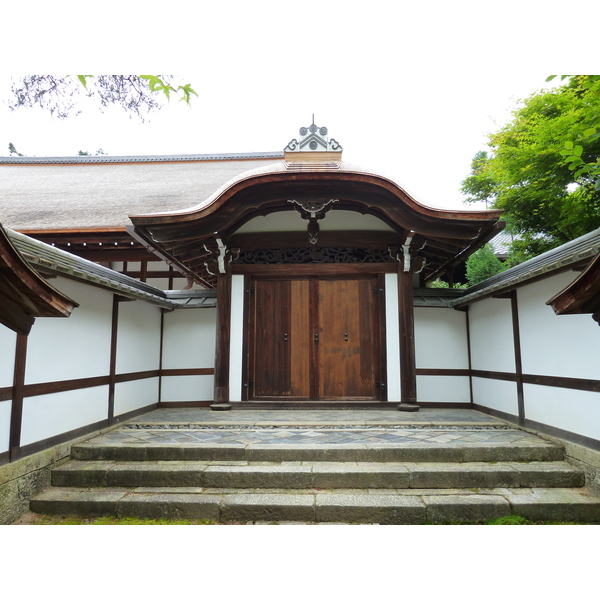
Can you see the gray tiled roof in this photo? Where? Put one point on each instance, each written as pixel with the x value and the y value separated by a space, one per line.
pixel 45 258
pixel 582 249
pixel 100 192
pixel 149 158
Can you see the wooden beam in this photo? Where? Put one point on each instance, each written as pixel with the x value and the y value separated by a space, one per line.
pixel 408 377
pixel 16 413
pixel 222 344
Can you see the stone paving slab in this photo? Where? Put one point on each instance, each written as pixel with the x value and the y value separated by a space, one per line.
pixel 426 416
pixel 401 507
pixel 318 475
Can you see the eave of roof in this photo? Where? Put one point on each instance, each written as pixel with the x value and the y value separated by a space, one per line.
pixel 47 259
pixel 24 295
pixel 573 253
pixel 451 234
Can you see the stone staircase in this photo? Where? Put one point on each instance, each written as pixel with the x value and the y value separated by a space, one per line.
pixel 408 483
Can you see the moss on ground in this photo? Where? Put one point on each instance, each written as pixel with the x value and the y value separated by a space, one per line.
pixel 37 519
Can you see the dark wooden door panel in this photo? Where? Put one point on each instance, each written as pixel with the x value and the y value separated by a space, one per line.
pixel 281 339
pixel 348 343
pixel 314 339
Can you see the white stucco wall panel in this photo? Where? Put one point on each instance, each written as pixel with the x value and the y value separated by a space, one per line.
pixel 8 344
pixel 561 346
pixel 189 388
pixel 492 342
pixel 441 339
pixel 236 354
pixel 189 339
pixel 392 337
pixel 496 394
pixel 74 347
pixel 53 414
pixel 5 408
pixel 571 410
pixel 442 389
pixel 131 395
pixel 138 337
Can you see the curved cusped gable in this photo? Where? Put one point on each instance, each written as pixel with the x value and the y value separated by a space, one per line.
pixel 313 187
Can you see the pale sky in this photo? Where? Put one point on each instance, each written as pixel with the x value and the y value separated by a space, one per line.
pixel 411 92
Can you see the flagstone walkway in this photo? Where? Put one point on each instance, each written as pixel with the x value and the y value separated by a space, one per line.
pixel 298 427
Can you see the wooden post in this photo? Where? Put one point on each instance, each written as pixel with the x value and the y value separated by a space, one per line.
pixel 408 377
pixel 16 415
pixel 222 344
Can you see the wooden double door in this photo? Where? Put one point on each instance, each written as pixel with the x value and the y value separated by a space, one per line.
pixel 315 338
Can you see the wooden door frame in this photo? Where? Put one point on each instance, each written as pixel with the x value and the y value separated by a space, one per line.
pixel 313 273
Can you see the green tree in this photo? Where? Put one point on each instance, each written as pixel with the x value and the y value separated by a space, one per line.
pixel 60 94
pixel 483 264
pixel 12 150
pixel 528 175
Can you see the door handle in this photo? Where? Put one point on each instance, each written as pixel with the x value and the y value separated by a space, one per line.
pixel 285 337
pixel 345 337
pixel 316 337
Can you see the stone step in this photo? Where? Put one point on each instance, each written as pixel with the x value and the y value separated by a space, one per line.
pixel 347 506
pixel 319 475
pixel 409 452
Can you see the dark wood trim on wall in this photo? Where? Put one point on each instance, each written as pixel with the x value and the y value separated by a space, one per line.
pixel 573 383
pixel 443 372
pixel 16 413
pixel 68 385
pixel 576 438
pixel 514 306
pixel 185 372
pixel 500 375
pixel 304 270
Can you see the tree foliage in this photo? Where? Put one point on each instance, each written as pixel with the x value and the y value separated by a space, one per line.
pixel 547 199
pixel 60 94
pixel 483 264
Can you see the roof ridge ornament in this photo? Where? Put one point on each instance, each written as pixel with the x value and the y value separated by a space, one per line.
pixel 313 139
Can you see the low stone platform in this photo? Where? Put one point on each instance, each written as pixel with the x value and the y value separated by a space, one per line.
pixel 387 467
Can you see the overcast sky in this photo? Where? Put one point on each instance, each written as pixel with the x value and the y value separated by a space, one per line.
pixel 411 92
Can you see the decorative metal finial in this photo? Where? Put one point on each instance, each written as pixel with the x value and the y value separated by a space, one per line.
pixel 313 139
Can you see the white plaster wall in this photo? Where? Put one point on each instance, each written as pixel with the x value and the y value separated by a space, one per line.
pixel 74 347
pixel 497 394
pixel 138 338
pixel 131 395
pixel 492 342
pixel 53 414
pixel 336 220
pixel 8 344
pixel 5 408
pixel 191 388
pixel 236 356
pixel 392 337
pixel 189 339
pixel 443 389
pixel 441 339
pixel 566 345
pixel 571 410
